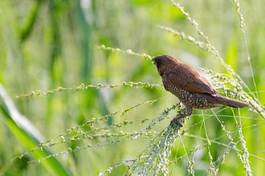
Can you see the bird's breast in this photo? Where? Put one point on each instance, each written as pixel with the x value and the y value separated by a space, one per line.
pixel 194 100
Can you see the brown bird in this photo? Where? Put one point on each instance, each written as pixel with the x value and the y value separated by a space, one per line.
pixel 190 86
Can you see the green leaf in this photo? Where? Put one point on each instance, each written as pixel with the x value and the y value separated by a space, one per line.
pixel 28 135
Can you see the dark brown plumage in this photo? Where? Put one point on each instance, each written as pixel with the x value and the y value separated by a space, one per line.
pixel 189 85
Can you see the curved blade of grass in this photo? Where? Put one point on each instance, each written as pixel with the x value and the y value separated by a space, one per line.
pixel 30 21
pixel 27 134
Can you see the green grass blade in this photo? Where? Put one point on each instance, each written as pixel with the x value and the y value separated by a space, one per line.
pixel 27 134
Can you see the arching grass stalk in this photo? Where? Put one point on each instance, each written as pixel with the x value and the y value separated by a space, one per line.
pixel 84 86
pixel 154 161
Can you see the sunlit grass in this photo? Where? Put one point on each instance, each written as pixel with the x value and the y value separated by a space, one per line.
pixel 82 75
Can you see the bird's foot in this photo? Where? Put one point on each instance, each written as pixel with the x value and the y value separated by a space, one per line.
pixel 177 121
pixel 180 118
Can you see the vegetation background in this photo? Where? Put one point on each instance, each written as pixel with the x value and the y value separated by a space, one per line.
pixel 88 128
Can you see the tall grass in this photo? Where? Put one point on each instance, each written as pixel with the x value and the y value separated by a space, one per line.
pixel 101 108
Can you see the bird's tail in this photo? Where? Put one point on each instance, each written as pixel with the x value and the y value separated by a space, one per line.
pixel 230 102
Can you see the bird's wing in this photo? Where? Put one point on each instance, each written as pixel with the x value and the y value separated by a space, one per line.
pixel 187 78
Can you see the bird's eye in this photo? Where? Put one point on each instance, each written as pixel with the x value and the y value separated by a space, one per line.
pixel 158 62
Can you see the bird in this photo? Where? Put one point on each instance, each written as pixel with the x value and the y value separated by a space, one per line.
pixel 190 86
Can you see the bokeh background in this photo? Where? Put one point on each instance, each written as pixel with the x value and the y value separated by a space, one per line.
pixel 46 44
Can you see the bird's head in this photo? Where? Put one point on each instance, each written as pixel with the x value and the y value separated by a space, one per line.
pixel 164 63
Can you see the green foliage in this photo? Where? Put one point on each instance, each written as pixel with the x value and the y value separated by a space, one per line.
pixel 26 133
pixel 81 73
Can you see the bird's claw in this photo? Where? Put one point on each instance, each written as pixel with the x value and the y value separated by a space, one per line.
pixel 177 121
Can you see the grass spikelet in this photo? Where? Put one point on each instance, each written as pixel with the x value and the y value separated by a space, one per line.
pixel 79 132
pixel 110 138
pixel 220 160
pixel 160 118
pixel 209 46
pixel 191 20
pixel 233 89
pixel 109 170
pixel 189 38
pixel 127 51
pixel 241 17
pixel 245 154
pixel 154 161
pixel 84 86
pixel 243 29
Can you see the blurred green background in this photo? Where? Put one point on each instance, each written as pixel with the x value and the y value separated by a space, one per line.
pixel 46 44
